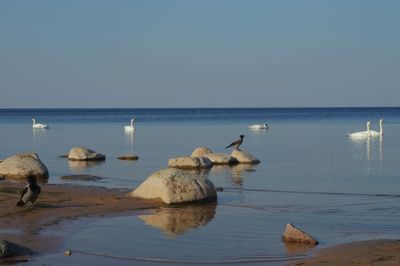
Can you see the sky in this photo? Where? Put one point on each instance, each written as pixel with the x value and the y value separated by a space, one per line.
pixel 204 53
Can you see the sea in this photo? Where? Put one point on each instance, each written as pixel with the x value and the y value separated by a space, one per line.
pixel 311 175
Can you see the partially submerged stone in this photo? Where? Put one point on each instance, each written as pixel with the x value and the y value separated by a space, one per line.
pixel 81 177
pixel 176 186
pixel 244 157
pixel 129 157
pixel 294 234
pixel 85 154
pixel 200 151
pixel 9 249
pixel 22 165
pixel 220 158
pixel 190 163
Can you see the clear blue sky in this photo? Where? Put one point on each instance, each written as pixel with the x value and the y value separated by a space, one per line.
pixel 205 53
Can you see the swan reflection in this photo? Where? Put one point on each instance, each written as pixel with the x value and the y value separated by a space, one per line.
pixel 174 221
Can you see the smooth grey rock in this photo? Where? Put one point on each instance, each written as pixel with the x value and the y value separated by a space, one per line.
pixel 81 177
pixel 294 234
pixel 190 163
pixel 200 151
pixel 176 186
pixel 244 157
pixel 21 165
pixel 85 154
pixel 9 249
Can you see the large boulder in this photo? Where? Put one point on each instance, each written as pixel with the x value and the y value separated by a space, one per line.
pixel 22 165
pixel 220 158
pixel 244 157
pixel 8 249
pixel 200 151
pixel 190 163
pixel 85 154
pixel 176 186
pixel 294 234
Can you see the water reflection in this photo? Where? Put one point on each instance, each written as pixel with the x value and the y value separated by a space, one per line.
pixel 236 173
pixel 79 166
pixel 297 248
pixel 174 221
pixel 370 147
pixel 37 135
pixel 130 139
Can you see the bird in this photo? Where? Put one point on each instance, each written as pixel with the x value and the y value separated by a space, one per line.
pixel 30 193
pixel 130 127
pixel 259 126
pixel 362 134
pixel 37 125
pixel 236 143
pixel 376 133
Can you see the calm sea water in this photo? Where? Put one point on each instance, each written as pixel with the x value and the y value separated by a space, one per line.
pixel 311 174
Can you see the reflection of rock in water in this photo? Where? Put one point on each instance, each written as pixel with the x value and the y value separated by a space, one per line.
pixel 80 165
pixel 237 172
pixel 178 220
pixel 297 248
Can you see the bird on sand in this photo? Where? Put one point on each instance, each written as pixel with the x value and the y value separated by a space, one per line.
pixel 236 143
pixel 30 193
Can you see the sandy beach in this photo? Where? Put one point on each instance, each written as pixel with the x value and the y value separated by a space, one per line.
pixel 58 203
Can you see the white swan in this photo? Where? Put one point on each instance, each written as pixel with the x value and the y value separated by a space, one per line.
pixel 41 126
pixel 362 134
pixel 376 133
pixel 130 127
pixel 259 126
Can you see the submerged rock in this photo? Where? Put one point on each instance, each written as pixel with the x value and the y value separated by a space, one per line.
pixel 190 163
pixel 21 165
pixel 129 157
pixel 85 154
pixel 176 186
pixel 81 177
pixel 200 151
pixel 8 249
pixel 244 157
pixel 293 234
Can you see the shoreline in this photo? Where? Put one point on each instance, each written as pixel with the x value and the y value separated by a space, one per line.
pixel 58 203
pixel 61 205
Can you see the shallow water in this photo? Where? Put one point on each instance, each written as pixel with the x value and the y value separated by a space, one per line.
pixel 311 174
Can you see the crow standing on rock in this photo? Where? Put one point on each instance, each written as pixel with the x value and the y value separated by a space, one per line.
pixel 30 193
pixel 236 143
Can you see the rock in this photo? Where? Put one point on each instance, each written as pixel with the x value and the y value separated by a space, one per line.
pixel 176 186
pixel 177 221
pixel 130 157
pixel 8 249
pixel 190 163
pixel 63 156
pixel 81 177
pixel 244 157
pixel 84 154
pixel 293 234
pixel 21 165
pixel 200 151
pixel 220 158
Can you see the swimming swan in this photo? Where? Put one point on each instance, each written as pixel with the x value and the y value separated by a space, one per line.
pixel 259 126
pixel 42 126
pixel 376 133
pixel 130 127
pixel 362 134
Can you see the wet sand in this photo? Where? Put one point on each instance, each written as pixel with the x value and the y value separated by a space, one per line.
pixel 372 252
pixel 58 203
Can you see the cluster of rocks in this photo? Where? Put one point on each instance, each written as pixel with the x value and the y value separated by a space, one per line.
pixel 204 158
